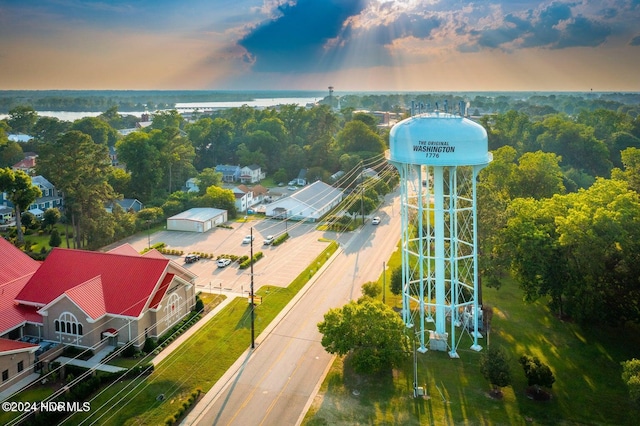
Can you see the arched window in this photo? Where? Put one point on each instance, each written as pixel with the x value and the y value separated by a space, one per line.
pixel 68 323
pixel 172 310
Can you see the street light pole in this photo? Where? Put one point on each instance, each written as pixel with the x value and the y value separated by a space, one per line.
pixel 253 341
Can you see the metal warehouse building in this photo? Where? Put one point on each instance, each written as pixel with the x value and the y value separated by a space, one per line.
pixel 197 220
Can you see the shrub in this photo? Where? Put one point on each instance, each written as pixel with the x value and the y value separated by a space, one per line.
pixel 199 307
pixel 149 345
pixel 129 350
pixel 280 239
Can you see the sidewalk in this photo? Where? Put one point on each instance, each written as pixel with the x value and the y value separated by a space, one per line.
pixel 94 362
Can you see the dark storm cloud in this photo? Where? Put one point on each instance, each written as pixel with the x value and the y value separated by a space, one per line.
pixel 583 32
pixel 294 41
pixel 553 26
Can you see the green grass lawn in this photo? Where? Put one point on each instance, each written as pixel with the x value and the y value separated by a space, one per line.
pixel 198 363
pixel 585 361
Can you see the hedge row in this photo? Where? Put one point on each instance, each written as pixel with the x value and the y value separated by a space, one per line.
pixel 248 262
pixel 281 239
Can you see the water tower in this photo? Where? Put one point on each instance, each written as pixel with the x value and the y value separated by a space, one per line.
pixel 438 156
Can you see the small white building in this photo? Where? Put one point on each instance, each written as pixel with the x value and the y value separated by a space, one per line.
pixel 309 203
pixel 197 220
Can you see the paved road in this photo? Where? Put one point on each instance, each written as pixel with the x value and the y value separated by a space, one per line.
pixel 275 383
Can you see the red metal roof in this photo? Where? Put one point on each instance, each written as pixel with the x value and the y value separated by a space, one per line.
pixel 14 263
pixel 161 291
pixel 127 281
pixel 7 345
pixel 89 296
pixel 125 249
pixel 15 270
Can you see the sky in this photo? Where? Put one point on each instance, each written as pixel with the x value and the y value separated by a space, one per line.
pixel 352 45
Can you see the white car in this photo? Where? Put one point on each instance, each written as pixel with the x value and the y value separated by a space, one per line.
pixel 375 221
pixel 247 239
pixel 223 262
pixel 269 240
pixel 292 188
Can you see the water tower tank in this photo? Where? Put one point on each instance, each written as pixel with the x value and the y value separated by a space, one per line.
pixel 438 157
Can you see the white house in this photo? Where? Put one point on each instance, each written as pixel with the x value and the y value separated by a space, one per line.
pixel 200 219
pixel 309 203
pixel 251 174
pixel 192 185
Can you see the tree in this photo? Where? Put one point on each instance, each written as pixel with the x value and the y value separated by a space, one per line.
pixel 371 289
pixel 30 221
pixel 631 378
pixel 17 185
pixel 48 129
pixel 356 136
pixel 79 167
pixel 54 239
pixel 631 171
pixel 396 281
pixel 50 217
pixel 144 162
pixel 494 367
pixel 120 181
pixel 208 177
pixel 99 130
pixel 10 153
pixel 538 374
pixel 220 199
pixel 370 331
pixel 22 118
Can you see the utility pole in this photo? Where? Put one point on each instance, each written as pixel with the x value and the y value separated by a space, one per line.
pixel 253 341
pixel 384 281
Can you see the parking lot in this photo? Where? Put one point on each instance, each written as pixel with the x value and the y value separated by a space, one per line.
pixel 279 266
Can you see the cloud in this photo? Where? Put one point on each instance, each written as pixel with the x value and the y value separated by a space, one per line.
pixel 295 39
pixel 553 26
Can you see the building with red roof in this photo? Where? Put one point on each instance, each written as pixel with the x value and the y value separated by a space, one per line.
pixel 81 294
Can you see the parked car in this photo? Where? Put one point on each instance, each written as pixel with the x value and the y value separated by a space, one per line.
pixel 223 262
pixel 248 239
pixel 375 221
pixel 190 258
pixel 269 240
pixel 292 188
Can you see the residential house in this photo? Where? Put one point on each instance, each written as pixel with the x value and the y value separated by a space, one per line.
pixel 192 185
pixel 6 214
pixel 260 194
pixel 251 174
pixel 230 173
pixel 128 205
pixel 244 197
pixel 113 155
pixel 309 203
pixel 27 164
pixel 51 197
